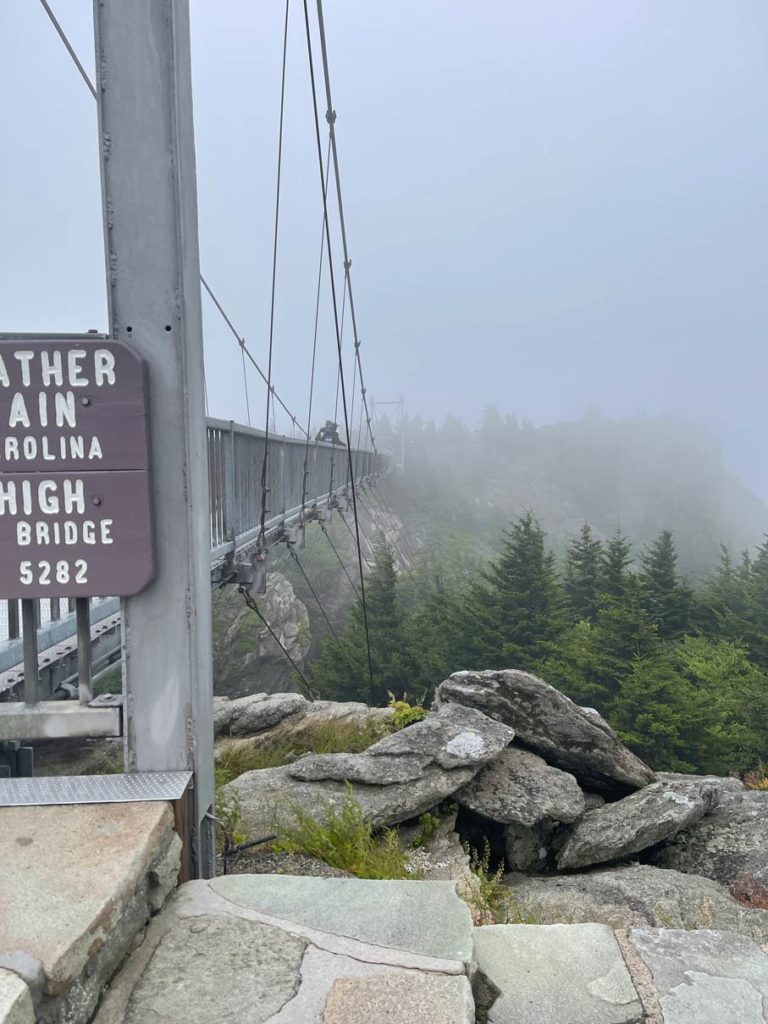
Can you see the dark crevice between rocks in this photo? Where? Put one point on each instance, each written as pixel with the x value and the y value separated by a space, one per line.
pixel 477 834
pixel 485 994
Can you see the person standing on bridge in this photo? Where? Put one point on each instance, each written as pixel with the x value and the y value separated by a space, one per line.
pixel 329 433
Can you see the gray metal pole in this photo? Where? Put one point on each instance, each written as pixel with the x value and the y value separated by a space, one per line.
pixel 150 214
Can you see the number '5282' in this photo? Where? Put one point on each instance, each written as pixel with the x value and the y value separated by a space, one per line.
pixel 48 572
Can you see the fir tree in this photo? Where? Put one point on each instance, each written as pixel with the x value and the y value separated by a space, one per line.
pixel 665 598
pixel 615 570
pixel 515 618
pixel 581 583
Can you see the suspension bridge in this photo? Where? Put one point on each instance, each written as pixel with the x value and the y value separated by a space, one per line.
pixel 219 494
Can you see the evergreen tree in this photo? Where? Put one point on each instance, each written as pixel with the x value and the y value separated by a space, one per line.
pixel 342 672
pixel 582 576
pixel 665 598
pixel 615 569
pixel 515 615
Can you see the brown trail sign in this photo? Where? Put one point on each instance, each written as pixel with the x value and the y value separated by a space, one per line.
pixel 75 513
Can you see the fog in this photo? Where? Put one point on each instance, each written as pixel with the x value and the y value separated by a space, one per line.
pixel 553 206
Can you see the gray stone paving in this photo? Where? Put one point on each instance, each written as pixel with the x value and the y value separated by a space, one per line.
pixel 705 977
pixel 15 1000
pixel 556 974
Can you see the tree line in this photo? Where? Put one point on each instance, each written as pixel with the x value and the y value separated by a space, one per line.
pixel 681 673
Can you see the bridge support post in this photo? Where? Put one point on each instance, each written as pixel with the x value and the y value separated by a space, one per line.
pixel 150 227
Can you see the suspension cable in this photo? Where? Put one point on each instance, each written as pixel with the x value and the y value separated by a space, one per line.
pixel 339 559
pixel 305 480
pixel 338 383
pixel 338 345
pixel 331 118
pixel 246 351
pixel 248 598
pixel 70 49
pixel 241 341
pixel 313 592
pixel 265 463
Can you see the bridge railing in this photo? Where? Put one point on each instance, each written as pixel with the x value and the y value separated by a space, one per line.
pixel 235 464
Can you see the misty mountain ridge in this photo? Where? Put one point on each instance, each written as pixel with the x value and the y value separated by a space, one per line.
pixel 643 474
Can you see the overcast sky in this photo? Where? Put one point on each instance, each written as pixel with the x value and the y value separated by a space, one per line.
pixel 551 205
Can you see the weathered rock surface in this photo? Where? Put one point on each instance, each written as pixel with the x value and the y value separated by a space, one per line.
pixel 401 997
pixel 528 849
pixel 633 824
pixel 15 1000
pixel 267 796
pixel 453 737
pixel 705 977
pixel 284 716
pixel 397 778
pixel 247 716
pixel 555 974
pixel 245 657
pixel 283 950
pixel 78 884
pixel 521 787
pixel 553 726
pixel 730 845
pixel 636 895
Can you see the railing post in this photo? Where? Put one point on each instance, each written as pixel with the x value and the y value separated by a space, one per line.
pixel 149 202
pixel 229 483
pixel 83 618
pixel 29 635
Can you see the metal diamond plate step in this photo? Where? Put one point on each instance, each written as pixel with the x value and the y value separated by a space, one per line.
pixel 93 789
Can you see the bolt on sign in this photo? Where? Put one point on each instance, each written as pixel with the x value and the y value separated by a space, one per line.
pixel 75 514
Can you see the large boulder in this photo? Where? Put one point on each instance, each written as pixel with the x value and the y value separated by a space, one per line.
pixel 520 787
pixel 266 798
pixel 635 823
pixel 550 724
pixel 281 717
pixel 730 845
pixel 635 894
pixel 395 779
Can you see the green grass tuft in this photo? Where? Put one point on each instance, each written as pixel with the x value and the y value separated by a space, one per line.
pixel 345 840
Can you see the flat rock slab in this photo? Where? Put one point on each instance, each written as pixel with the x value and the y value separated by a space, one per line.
pixel 15 1000
pixel 424 918
pixel 635 823
pixel 551 725
pixel 68 874
pixel 705 977
pixel 400 999
pixel 556 974
pixel 218 969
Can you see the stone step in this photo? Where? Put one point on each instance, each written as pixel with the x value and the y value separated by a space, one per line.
pixel 279 949
pixel 77 887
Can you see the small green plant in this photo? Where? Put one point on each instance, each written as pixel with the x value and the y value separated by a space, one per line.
pixel 345 840
pixel 428 825
pixel 405 713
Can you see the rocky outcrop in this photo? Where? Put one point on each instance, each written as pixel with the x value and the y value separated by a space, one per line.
pixel 730 846
pixel 395 779
pixel 521 788
pixel 635 894
pixel 635 823
pixel 551 725
pixel 283 716
pixel 245 657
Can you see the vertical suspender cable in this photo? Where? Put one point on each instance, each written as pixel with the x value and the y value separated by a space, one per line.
pixel 265 463
pixel 338 346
